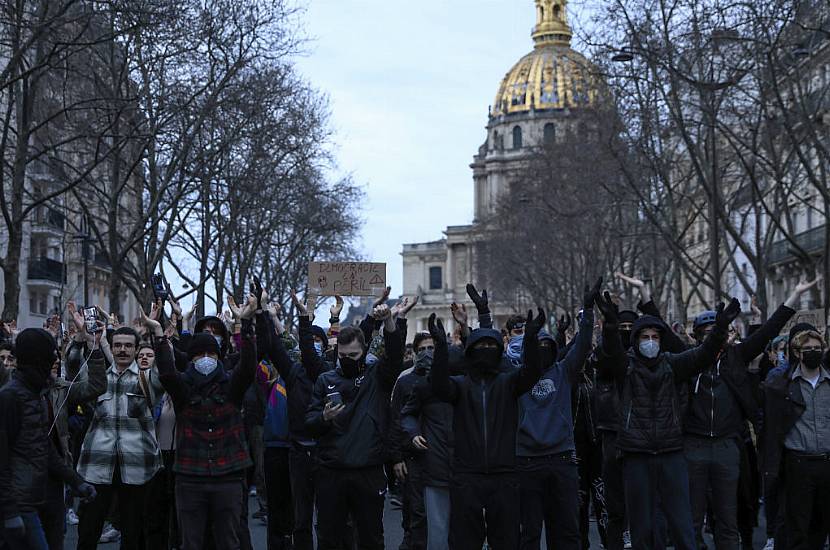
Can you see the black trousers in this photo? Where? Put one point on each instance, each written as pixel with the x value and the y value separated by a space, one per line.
pixel 131 513
pixel 303 471
pixel 714 466
pixel 53 514
pixel 549 488
pixel 161 527
pixel 498 495
pixel 807 484
pixel 278 495
pixel 612 478
pixel 591 488
pixel 203 502
pixel 359 492
pixel 413 493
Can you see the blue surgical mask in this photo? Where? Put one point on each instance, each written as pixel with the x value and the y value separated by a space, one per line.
pixel 649 349
pixel 218 340
pixel 318 347
pixel 205 365
pixel 781 359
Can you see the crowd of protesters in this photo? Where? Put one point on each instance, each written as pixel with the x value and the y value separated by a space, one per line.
pixel 159 432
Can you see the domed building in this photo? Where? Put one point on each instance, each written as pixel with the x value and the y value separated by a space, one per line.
pixel 539 99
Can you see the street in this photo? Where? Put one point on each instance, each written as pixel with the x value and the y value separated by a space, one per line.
pixel 393 532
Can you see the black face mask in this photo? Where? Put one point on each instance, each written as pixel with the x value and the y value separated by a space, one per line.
pixel 485 359
pixel 548 356
pixel 351 368
pixel 35 376
pixel 625 336
pixel 811 359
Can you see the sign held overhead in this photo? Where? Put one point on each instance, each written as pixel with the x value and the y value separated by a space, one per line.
pixel 346 278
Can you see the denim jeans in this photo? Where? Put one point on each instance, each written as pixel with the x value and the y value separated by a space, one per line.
pixel 33 538
pixel 437 505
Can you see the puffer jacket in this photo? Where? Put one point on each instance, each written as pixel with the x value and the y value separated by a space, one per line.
pixel 27 454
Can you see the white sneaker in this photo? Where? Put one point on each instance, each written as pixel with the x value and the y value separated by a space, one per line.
pixel 626 539
pixel 71 517
pixel 110 534
pixel 770 545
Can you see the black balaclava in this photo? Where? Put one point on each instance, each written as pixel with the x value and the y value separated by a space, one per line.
pixel 627 316
pixel 36 353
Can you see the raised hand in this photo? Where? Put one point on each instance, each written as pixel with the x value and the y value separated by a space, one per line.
pixel 150 324
pixel 76 317
pixel 534 324
pixel 725 315
pixel 609 310
pixel 630 280
pixel 236 311
pixel 564 323
pixel 398 309
pixel 803 287
pixel 155 309
pixel 591 295
pixel 382 312
pixel 337 308
pixel 436 330
pixel 302 309
pixel 459 313
pixel 175 307
pixel 480 300
pixel 383 297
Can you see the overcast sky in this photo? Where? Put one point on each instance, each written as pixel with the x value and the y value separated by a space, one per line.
pixel 409 85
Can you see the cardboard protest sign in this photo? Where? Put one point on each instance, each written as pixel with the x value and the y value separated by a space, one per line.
pixel 346 278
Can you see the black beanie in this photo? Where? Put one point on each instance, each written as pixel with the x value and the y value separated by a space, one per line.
pixel 627 316
pixel 202 342
pixel 35 347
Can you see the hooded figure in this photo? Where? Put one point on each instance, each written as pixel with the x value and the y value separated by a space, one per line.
pixel 27 452
pixel 650 435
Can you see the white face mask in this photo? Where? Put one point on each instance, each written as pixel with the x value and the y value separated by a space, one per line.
pixel 649 349
pixel 205 365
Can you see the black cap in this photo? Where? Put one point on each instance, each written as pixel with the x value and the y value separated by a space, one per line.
pixel 202 342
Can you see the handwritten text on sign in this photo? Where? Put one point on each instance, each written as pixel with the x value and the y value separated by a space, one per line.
pixel 346 278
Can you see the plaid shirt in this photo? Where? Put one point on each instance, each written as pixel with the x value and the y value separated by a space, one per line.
pixel 122 431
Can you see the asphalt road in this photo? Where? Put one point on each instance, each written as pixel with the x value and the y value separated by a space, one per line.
pixel 392 529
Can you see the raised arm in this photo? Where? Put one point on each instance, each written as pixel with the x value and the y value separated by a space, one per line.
pixel 443 386
pixel 611 360
pixel 243 375
pixel 389 369
pixel 755 344
pixel 485 320
pixel 267 339
pixel 691 362
pixel 531 369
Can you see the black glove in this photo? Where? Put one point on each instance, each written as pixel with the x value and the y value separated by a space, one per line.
pixel 533 326
pixel 610 311
pixel 564 324
pixel 257 289
pixel 437 332
pixel 725 315
pixel 480 300
pixel 591 295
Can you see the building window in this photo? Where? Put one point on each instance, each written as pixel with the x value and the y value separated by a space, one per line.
pixel 549 133
pixel 517 137
pixel 435 282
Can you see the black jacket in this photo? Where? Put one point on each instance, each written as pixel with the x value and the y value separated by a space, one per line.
pixel 356 438
pixel 783 406
pixel 650 400
pixel 425 415
pixel 27 454
pixel 299 377
pixel 398 440
pixel 723 396
pixel 485 409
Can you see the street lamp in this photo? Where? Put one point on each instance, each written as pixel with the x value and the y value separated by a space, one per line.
pixel 623 55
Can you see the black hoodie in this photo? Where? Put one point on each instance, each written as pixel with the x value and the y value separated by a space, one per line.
pixel 485 406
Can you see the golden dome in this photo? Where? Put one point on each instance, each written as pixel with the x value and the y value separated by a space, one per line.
pixel 552 76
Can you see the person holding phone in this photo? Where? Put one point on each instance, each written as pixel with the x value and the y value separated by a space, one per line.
pixel 349 411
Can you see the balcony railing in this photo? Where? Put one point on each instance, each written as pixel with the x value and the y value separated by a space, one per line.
pixel 811 241
pixel 46 269
pixel 49 217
